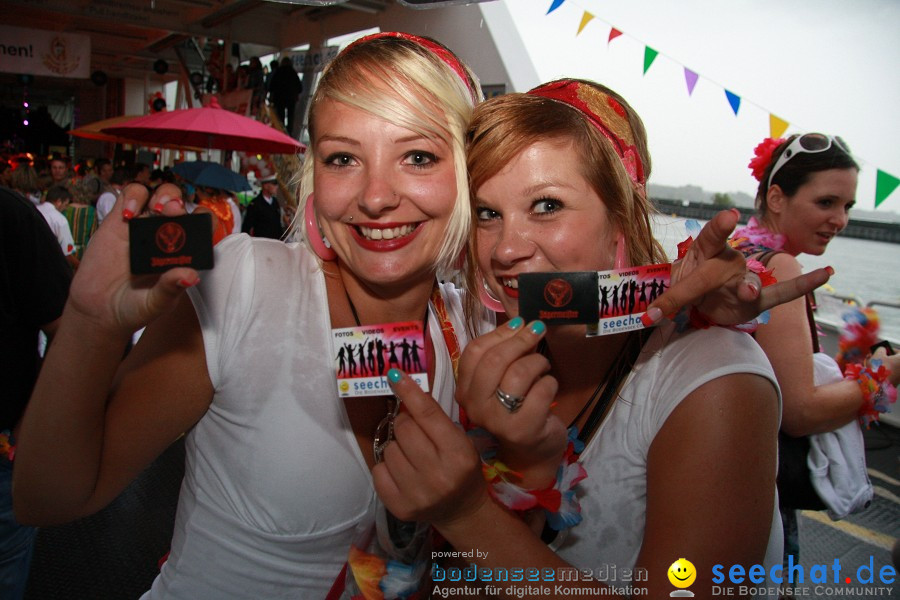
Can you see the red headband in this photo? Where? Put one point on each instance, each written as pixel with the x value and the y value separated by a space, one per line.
pixel 443 53
pixel 604 112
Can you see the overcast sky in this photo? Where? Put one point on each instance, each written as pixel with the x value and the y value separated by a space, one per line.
pixel 822 65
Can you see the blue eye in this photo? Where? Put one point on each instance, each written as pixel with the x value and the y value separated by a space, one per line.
pixel 486 214
pixel 546 206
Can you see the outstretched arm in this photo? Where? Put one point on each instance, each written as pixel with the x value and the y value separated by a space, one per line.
pixel 714 277
pixel 91 427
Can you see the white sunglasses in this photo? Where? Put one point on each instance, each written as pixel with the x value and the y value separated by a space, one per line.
pixel 809 143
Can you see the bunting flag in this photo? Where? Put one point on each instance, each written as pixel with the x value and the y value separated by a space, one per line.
pixel 585 19
pixel 734 100
pixel 649 56
pixel 691 79
pixel 556 4
pixel 777 126
pixel 885 184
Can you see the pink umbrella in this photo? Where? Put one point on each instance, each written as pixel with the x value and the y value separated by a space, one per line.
pixel 95 131
pixel 207 127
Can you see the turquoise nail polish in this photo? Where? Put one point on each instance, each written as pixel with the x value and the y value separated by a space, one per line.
pixel 394 375
pixel 538 327
pixel 515 323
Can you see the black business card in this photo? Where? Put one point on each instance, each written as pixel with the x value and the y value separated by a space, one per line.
pixel 162 243
pixel 559 298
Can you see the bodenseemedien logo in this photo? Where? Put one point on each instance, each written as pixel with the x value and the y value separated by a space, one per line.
pixel 682 574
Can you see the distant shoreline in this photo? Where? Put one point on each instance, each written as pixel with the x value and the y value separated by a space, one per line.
pixel 858 228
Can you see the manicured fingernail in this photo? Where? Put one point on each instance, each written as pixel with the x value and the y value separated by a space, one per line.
pixel 158 207
pixel 394 375
pixel 651 317
pixel 186 283
pixel 538 327
pixel 515 322
pixel 755 288
pixel 127 215
pixel 830 271
pixel 736 212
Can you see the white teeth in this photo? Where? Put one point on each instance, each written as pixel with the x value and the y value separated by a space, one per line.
pixel 511 282
pixel 390 233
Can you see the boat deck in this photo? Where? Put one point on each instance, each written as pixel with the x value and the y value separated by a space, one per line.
pixel 114 554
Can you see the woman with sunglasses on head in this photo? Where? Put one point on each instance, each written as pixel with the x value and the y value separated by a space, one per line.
pixel 674 429
pixel 807 186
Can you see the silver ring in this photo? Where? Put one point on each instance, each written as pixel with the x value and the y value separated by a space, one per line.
pixel 509 402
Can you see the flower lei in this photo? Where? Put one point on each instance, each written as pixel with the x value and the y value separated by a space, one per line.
pixel 859 333
pixel 762 156
pixel 379 577
pixel 687 318
pixel 558 501
pixel 754 238
pixel 878 393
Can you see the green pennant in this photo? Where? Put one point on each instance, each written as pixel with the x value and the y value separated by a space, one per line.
pixel 885 183
pixel 649 57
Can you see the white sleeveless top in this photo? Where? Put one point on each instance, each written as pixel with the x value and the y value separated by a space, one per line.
pixel 613 497
pixel 275 485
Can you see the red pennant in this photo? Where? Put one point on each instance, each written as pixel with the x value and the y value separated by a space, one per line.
pixel 613 34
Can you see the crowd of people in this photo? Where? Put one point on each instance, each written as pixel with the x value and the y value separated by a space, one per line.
pixel 422 205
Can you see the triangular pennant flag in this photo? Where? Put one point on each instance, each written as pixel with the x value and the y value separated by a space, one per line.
pixel 556 4
pixel 885 183
pixel 734 100
pixel 777 127
pixel 649 57
pixel 613 34
pixel 691 79
pixel 585 19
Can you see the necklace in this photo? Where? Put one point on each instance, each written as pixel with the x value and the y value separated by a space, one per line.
pixel 608 384
pixel 384 431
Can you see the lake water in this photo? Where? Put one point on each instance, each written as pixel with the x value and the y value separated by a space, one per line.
pixel 862 268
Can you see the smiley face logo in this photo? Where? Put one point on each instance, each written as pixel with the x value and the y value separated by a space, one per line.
pixel 682 573
pixel 344 387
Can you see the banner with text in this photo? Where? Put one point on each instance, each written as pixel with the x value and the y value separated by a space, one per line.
pixel 42 52
pixel 313 59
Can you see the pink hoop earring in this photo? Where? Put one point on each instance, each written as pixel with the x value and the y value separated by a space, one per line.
pixel 489 302
pixel 313 235
pixel 621 251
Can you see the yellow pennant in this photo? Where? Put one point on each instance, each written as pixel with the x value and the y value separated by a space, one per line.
pixel 777 126
pixel 585 19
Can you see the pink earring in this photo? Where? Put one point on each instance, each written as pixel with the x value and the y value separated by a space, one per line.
pixel 621 251
pixel 489 301
pixel 313 235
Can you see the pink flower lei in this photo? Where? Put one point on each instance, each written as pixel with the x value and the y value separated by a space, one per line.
pixel 754 237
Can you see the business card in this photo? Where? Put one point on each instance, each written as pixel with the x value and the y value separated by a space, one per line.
pixel 625 294
pixel 363 356
pixel 158 244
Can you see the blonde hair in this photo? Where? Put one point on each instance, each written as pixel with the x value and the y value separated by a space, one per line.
pixel 401 81
pixel 503 127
